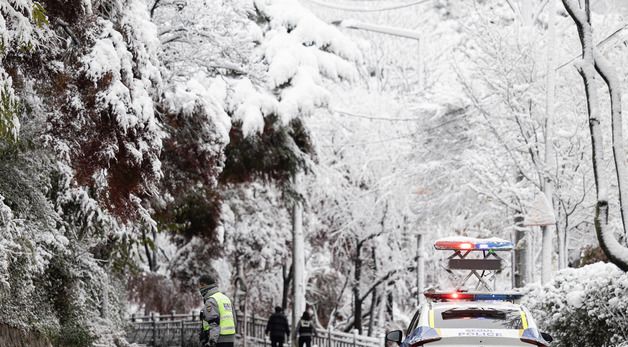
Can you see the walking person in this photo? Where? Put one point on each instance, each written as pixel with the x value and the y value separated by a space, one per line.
pixel 306 330
pixel 278 328
pixel 218 316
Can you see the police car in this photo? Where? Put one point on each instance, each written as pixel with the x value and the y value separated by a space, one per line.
pixel 471 319
pixel 474 319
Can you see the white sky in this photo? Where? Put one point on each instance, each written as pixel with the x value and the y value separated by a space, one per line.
pixel 610 5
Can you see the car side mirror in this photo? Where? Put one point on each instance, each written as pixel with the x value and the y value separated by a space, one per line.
pixel 547 337
pixel 394 336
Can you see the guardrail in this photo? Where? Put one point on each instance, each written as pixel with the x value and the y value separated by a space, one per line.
pixel 183 330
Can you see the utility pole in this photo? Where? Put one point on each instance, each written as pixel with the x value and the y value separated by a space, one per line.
pixel 298 253
pixel 548 230
pixel 521 262
pixel 549 126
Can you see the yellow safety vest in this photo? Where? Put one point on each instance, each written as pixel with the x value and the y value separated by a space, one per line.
pixel 225 309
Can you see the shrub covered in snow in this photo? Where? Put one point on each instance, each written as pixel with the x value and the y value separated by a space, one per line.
pixel 583 307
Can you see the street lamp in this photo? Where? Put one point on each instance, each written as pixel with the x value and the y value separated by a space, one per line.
pixel 388 30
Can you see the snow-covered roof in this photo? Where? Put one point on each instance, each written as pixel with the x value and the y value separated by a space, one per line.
pixel 470 239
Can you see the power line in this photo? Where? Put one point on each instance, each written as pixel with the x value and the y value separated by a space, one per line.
pixel 440 125
pixel 348 114
pixel 367 1
pixel 354 9
pixel 600 44
pixel 391 139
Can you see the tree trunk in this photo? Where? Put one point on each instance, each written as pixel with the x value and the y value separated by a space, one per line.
pixel 563 253
pixel 381 307
pixel 149 255
pixel 420 268
pixel 357 276
pixel 587 69
pixel 373 296
pixel 154 250
pixel 390 306
pixel 617 253
pixel 372 312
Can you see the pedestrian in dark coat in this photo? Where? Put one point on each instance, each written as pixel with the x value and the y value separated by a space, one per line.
pixel 306 330
pixel 278 328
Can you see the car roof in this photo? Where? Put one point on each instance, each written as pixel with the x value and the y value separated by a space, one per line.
pixel 496 305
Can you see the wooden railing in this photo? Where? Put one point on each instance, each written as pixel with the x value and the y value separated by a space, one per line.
pixel 183 330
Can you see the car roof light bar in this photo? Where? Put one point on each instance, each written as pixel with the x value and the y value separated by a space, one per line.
pixel 472 296
pixel 468 244
pixel 480 257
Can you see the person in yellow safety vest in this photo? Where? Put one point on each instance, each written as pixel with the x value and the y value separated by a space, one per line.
pixel 218 316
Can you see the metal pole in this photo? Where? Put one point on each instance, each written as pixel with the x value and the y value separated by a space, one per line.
pixel 298 256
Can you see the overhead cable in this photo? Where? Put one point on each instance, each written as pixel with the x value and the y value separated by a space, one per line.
pixel 357 9
pixel 349 114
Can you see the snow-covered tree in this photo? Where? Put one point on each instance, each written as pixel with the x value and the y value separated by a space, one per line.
pixel 240 80
pixel 592 64
pixel 78 83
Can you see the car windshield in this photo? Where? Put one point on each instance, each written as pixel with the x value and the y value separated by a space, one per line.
pixel 477 317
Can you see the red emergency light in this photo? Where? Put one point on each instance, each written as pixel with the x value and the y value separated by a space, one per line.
pixel 454 245
pixel 452 296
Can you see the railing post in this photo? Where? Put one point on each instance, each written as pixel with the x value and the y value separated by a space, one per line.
pixel 172 313
pixel 328 335
pixel 245 330
pixel 181 335
pixel 253 327
pixel 355 337
pixel 153 341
